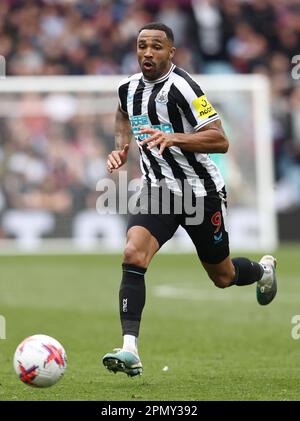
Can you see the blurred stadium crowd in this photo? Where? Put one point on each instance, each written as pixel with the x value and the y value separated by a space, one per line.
pixel 57 167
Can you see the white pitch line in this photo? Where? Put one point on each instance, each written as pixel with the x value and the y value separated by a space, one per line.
pixel 180 293
pixel 166 291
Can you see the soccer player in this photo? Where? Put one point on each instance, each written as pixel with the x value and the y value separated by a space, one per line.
pixel 175 128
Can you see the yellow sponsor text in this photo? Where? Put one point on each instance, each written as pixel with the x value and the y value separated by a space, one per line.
pixel 203 107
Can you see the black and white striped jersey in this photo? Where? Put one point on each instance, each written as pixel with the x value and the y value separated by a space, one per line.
pixel 174 104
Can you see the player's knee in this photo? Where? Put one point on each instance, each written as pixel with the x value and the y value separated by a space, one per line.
pixel 135 256
pixel 221 280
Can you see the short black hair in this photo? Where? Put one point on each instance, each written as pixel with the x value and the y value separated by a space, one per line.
pixel 159 27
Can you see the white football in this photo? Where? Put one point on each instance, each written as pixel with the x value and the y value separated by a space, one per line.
pixel 40 360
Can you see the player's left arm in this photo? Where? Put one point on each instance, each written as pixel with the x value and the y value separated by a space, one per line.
pixel 211 138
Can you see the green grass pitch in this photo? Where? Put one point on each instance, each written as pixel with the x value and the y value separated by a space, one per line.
pixel 217 344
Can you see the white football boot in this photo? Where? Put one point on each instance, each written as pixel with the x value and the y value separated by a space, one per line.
pixel 266 287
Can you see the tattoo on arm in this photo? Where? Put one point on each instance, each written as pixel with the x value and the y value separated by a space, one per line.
pixel 123 133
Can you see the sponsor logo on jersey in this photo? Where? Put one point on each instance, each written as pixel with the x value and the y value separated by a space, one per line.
pixel 203 107
pixel 139 122
pixel 130 98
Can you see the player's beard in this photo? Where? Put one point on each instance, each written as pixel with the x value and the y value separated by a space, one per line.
pixel 156 71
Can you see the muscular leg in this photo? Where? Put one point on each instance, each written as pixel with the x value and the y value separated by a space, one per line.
pixel 140 248
pixel 238 271
pixel 222 274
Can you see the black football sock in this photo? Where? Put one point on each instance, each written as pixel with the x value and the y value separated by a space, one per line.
pixel 246 271
pixel 132 298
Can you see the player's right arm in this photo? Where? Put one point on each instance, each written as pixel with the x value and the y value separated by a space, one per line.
pixel 123 135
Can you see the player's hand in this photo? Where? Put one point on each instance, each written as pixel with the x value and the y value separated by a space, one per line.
pixel 157 138
pixel 117 158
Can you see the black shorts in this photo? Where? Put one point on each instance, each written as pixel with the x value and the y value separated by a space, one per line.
pixel 203 220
